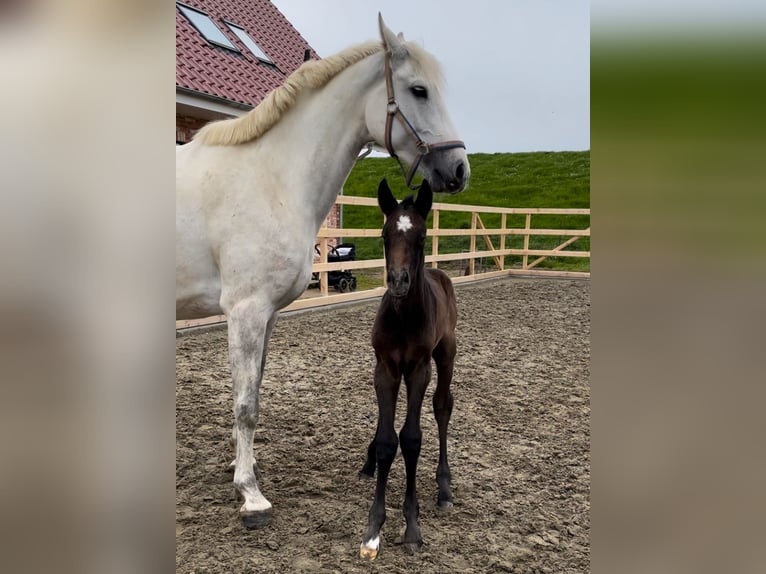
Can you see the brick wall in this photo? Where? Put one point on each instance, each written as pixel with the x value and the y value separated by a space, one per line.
pixel 186 126
pixel 333 220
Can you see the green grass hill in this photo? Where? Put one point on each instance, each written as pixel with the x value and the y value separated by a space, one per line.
pixel 538 179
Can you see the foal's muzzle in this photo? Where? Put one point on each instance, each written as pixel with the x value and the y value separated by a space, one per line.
pixel 398 282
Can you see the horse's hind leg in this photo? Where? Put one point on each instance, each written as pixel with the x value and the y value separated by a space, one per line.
pixel 444 356
pixel 249 328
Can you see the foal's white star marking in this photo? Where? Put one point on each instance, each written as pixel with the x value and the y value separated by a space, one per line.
pixel 404 223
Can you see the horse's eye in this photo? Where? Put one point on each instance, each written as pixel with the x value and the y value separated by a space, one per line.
pixel 419 92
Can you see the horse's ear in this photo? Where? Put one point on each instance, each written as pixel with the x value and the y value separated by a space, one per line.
pixel 386 199
pixel 425 199
pixel 391 41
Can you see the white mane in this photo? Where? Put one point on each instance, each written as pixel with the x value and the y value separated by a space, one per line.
pixel 311 75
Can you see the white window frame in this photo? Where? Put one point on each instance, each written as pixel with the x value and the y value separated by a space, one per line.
pixel 189 13
pixel 249 42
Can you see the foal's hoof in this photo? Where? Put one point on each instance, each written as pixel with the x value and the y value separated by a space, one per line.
pixel 369 550
pixel 413 547
pixel 444 505
pixel 364 476
pixel 256 518
pixel 410 546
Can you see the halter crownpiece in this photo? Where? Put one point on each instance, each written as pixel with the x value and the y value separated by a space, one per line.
pixel 393 110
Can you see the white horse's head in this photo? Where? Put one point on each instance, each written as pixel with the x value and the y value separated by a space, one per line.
pixel 406 114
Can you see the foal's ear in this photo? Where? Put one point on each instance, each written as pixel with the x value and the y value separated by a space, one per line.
pixel 386 199
pixel 424 200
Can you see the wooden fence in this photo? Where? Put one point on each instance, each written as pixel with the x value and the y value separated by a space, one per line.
pixel 324 295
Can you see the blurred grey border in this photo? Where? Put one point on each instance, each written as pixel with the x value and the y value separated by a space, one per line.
pixel 678 306
pixel 86 236
pixel 86 286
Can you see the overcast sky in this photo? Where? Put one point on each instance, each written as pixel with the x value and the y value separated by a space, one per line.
pixel 649 16
pixel 517 70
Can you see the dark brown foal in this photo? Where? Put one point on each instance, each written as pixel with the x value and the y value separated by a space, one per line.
pixel 415 323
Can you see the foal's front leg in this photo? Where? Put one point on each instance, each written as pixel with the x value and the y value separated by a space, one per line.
pixel 249 327
pixel 368 470
pixel 387 380
pixel 410 440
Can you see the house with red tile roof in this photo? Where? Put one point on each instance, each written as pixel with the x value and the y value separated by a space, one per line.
pixel 229 55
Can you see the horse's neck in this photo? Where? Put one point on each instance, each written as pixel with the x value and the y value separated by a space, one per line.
pixel 326 129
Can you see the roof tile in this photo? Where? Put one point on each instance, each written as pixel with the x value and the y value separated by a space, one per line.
pixel 239 77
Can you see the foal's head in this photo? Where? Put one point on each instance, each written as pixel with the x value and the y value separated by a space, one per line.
pixel 404 235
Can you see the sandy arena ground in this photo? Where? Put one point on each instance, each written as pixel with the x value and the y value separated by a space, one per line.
pixel 518 443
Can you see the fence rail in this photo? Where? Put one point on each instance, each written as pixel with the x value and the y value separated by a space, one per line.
pixel 496 254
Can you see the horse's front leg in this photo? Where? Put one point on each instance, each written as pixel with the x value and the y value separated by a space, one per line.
pixel 444 356
pixel 410 440
pixel 368 470
pixel 387 380
pixel 249 328
pixel 267 338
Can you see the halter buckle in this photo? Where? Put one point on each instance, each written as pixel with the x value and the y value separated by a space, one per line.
pixel 392 108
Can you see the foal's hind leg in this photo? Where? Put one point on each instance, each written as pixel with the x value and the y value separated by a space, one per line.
pixel 444 357
pixel 249 327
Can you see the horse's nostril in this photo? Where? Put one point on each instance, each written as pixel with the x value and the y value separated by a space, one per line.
pixel 460 171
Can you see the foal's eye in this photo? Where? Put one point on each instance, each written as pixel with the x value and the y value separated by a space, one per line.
pixel 419 92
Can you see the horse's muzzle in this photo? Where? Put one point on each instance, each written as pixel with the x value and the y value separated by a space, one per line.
pixel 458 180
pixel 452 179
pixel 398 283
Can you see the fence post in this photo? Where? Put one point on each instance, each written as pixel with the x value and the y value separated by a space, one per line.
pixel 472 261
pixel 503 220
pixel 385 267
pixel 527 225
pixel 435 238
pixel 323 259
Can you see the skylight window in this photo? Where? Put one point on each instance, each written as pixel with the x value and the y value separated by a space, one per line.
pixel 206 27
pixel 248 41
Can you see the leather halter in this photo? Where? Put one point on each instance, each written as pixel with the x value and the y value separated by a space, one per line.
pixel 392 111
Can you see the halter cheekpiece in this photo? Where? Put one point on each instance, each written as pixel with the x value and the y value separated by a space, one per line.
pixel 393 110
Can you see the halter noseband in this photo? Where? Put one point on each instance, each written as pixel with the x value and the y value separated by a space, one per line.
pixel 392 111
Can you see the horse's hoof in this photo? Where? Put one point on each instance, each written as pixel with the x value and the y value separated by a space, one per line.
pixel 413 547
pixel 256 519
pixel 444 505
pixel 364 476
pixel 369 550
